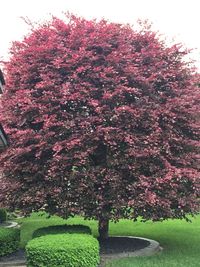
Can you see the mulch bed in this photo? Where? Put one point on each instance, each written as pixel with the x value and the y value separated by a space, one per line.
pixel 17 255
pixel 114 245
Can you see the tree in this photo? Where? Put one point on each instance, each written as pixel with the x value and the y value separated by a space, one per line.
pixel 102 122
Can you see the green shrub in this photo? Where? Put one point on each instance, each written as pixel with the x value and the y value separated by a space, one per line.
pixel 70 250
pixel 9 240
pixel 62 229
pixel 3 215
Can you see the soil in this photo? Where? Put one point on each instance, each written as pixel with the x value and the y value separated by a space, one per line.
pixel 14 259
pixel 114 245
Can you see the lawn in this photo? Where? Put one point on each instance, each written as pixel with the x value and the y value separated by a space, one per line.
pixel 180 240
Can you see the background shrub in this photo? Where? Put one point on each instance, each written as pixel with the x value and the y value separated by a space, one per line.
pixel 3 215
pixel 62 229
pixel 77 250
pixel 9 240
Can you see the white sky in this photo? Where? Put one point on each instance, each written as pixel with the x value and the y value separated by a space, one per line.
pixel 179 19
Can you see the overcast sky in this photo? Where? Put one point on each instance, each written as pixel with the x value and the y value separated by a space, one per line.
pixel 179 19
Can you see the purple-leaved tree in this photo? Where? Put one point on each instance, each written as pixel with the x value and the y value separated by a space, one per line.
pixel 102 121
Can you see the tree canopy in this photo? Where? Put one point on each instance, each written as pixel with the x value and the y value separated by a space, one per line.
pixel 102 121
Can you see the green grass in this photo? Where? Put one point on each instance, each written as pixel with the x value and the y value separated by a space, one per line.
pixel 180 240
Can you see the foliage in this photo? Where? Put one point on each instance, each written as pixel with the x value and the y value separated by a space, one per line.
pixel 9 240
pixel 62 229
pixel 77 250
pixel 3 215
pixel 102 121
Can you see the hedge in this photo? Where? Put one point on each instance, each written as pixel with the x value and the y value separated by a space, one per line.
pixel 9 240
pixel 62 229
pixel 3 215
pixel 70 250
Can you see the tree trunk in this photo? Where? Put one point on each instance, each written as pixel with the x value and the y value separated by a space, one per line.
pixel 103 228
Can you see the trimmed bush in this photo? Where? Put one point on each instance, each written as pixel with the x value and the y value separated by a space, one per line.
pixel 3 215
pixel 62 229
pixel 9 240
pixel 71 250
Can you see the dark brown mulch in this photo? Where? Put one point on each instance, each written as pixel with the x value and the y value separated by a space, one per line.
pixel 15 256
pixel 116 244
